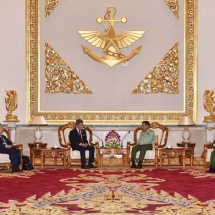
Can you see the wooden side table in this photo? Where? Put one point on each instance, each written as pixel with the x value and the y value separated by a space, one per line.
pixel 42 153
pixel 189 145
pixel 112 152
pixel 36 145
pixel 174 152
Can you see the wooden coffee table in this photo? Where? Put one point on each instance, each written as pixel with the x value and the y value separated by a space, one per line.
pixel 43 153
pixel 112 152
pixel 176 152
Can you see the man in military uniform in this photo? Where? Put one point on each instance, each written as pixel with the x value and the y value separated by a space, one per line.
pixel 212 162
pixel 144 143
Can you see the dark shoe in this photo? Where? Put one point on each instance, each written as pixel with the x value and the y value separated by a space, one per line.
pixel 91 166
pixel 211 170
pixel 84 167
pixel 133 165
pixel 139 165
pixel 16 170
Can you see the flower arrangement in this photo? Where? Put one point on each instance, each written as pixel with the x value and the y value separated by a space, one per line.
pixel 112 140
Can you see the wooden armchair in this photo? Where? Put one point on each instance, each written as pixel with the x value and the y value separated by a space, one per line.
pixel 208 148
pixel 74 155
pixel 4 158
pixel 161 136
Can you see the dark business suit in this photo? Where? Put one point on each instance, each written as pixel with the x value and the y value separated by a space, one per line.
pixel 14 154
pixel 75 140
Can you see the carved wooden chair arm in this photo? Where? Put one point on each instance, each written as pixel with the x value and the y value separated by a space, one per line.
pixel 18 146
pixel 96 144
pixel 208 146
pixel 160 147
pixel 205 152
pixel 68 146
pixel 130 144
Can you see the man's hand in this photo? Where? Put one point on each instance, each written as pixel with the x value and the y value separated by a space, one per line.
pixel 8 146
pixel 84 144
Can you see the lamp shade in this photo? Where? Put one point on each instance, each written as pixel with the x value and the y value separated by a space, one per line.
pixel 186 120
pixel 38 120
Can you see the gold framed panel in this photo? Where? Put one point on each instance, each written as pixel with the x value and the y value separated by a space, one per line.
pixel 111 117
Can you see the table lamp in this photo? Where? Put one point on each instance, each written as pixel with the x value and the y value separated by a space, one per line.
pixel 38 120
pixel 186 120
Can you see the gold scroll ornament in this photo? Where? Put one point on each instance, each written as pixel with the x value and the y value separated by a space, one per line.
pixel 164 77
pixel 59 76
pixel 11 105
pixel 174 7
pixel 50 6
pixel 209 105
pixel 111 43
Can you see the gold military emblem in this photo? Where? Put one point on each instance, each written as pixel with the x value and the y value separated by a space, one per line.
pixel 111 43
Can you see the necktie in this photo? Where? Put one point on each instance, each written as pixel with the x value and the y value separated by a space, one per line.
pixel 80 137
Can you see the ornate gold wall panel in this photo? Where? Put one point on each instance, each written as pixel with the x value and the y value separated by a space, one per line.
pixel 174 7
pixel 59 76
pixel 50 6
pixel 105 117
pixel 164 77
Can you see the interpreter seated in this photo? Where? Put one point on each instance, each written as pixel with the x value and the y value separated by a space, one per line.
pixel 144 143
pixel 6 147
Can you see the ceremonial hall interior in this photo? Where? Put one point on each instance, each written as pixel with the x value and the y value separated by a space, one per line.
pixel 117 73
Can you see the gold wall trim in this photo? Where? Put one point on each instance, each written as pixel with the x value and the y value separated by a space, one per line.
pixel 170 117
pixel 59 77
pixel 174 7
pixel 164 77
pixel 32 57
pixel 50 6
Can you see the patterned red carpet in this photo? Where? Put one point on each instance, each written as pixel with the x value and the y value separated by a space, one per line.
pixel 108 191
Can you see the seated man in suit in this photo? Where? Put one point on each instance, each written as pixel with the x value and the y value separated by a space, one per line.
pixel 144 143
pixel 7 148
pixel 78 140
